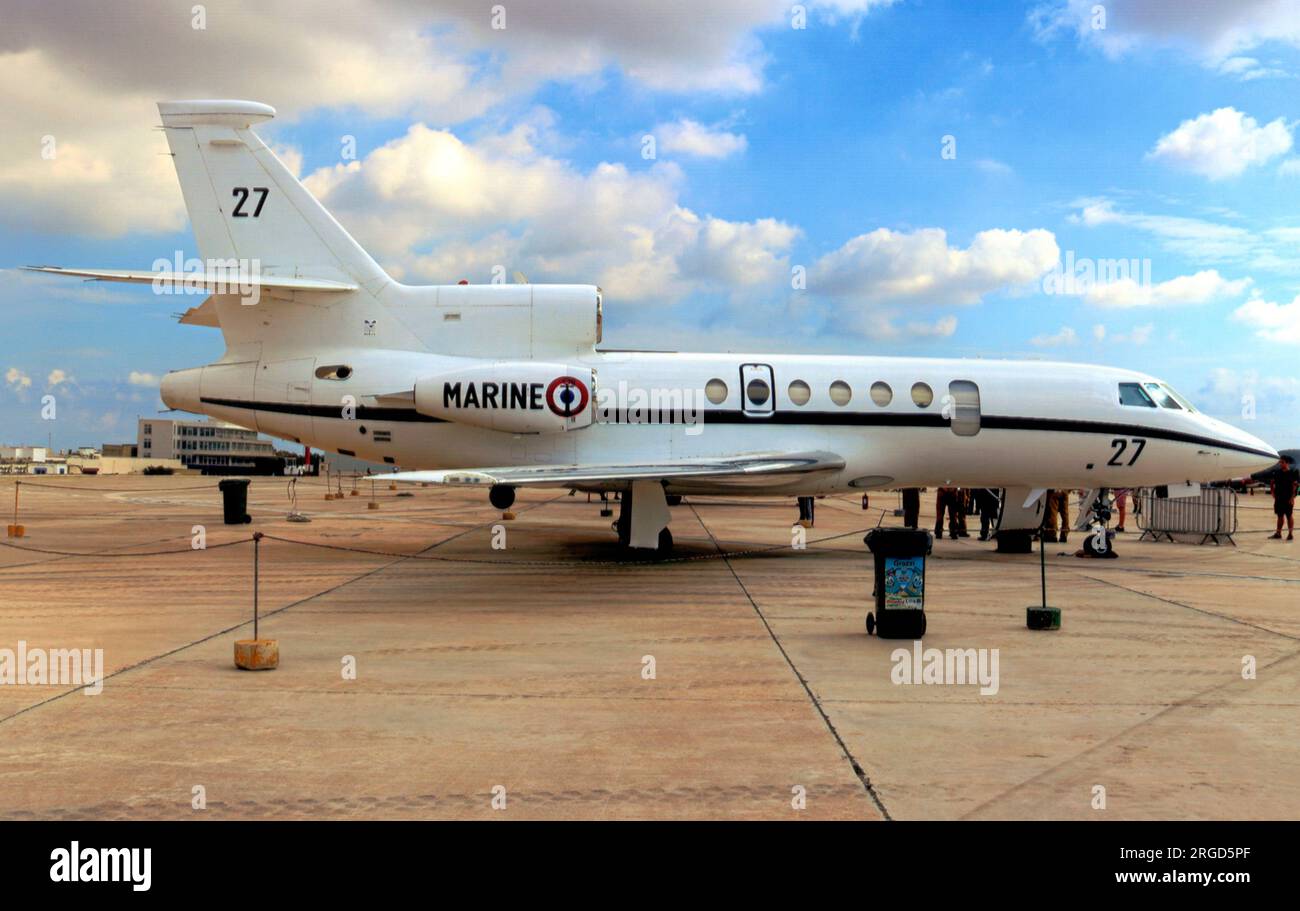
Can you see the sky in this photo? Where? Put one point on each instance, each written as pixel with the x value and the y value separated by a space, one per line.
pixel 1111 183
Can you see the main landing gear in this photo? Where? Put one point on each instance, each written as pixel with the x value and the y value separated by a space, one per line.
pixel 643 518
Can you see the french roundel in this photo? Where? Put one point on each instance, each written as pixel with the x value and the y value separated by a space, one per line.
pixel 567 396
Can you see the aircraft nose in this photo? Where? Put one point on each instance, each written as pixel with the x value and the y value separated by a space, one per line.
pixel 1243 452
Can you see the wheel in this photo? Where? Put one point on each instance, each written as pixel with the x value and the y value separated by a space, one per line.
pixel 502 496
pixel 665 543
pixel 871 623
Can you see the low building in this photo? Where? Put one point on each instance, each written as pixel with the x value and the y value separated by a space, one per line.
pixel 124 465
pixel 213 447
pixel 23 453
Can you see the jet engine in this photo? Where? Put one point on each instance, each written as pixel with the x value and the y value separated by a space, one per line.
pixel 511 396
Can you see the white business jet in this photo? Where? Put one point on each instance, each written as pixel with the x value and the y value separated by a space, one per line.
pixel 507 385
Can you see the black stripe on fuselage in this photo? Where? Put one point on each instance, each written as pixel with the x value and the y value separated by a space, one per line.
pixel 786 418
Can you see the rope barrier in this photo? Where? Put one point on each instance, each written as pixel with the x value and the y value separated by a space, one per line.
pixel 62 489
pixel 649 560
pixel 104 553
pixel 753 551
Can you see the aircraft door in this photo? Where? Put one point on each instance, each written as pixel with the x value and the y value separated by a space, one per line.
pixel 965 405
pixel 757 390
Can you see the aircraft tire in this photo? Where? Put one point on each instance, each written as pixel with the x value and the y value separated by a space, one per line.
pixel 665 543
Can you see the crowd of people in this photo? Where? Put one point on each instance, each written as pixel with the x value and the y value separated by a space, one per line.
pixel 956 503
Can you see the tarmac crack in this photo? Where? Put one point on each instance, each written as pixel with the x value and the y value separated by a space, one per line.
pixel 1193 701
pixel 776 640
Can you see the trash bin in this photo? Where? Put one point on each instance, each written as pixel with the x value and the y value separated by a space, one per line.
pixel 234 500
pixel 900 581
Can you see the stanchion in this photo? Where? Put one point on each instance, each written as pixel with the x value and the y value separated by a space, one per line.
pixel 257 654
pixel 1042 616
pixel 15 530
pixel 373 504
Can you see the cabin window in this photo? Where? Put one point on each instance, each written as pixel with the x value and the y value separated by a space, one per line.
pixel 757 392
pixel 922 395
pixel 799 392
pixel 334 372
pixel 841 394
pixel 881 394
pixel 716 391
pixel 1134 394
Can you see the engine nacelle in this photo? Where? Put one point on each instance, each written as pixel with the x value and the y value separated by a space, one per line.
pixel 511 396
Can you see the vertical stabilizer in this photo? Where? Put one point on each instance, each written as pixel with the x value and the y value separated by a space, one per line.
pixel 245 205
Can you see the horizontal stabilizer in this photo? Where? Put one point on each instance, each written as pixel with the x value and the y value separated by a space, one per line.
pixel 212 281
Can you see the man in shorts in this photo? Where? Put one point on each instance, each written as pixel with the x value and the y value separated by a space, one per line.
pixel 1286 479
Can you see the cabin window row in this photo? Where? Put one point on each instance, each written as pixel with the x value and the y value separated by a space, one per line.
pixel 800 393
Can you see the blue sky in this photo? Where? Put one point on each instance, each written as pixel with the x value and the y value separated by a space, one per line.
pixel 925 163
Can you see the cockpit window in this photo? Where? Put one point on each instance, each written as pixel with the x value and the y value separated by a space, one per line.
pixel 1162 397
pixel 1181 400
pixel 1134 394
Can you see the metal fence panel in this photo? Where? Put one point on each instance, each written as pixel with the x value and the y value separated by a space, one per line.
pixel 1212 513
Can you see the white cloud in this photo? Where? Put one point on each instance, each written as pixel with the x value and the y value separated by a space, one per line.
pixel 1272 321
pixel 1066 336
pixel 140 378
pixel 687 137
pixel 17 379
pixel 1289 168
pixel 920 266
pixel 1222 144
pixel 437 208
pixel 944 327
pixel 1099 332
pixel 994 167
pixel 56 377
pixel 1248 69
pixel 1211 31
pixel 89 76
pixel 1185 290
pixel 1140 335
pixel 1196 238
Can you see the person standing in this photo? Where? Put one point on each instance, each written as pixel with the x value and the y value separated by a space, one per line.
pixel 912 507
pixel 1057 515
pixel 1121 504
pixel 1286 480
pixel 986 501
pixel 946 498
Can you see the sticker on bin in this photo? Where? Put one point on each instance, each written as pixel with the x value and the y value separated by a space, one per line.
pixel 904 583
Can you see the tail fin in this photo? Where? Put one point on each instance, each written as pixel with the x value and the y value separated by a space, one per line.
pixel 246 205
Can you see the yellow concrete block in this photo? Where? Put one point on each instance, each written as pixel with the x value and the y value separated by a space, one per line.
pixel 355 493
pixel 372 505
pixel 507 515
pixel 15 531
pixel 257 654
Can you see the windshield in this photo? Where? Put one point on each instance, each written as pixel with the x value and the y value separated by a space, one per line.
pixel 1165 396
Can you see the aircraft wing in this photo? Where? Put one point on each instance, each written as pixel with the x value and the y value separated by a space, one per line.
pixel 214 281
pixel 761 468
